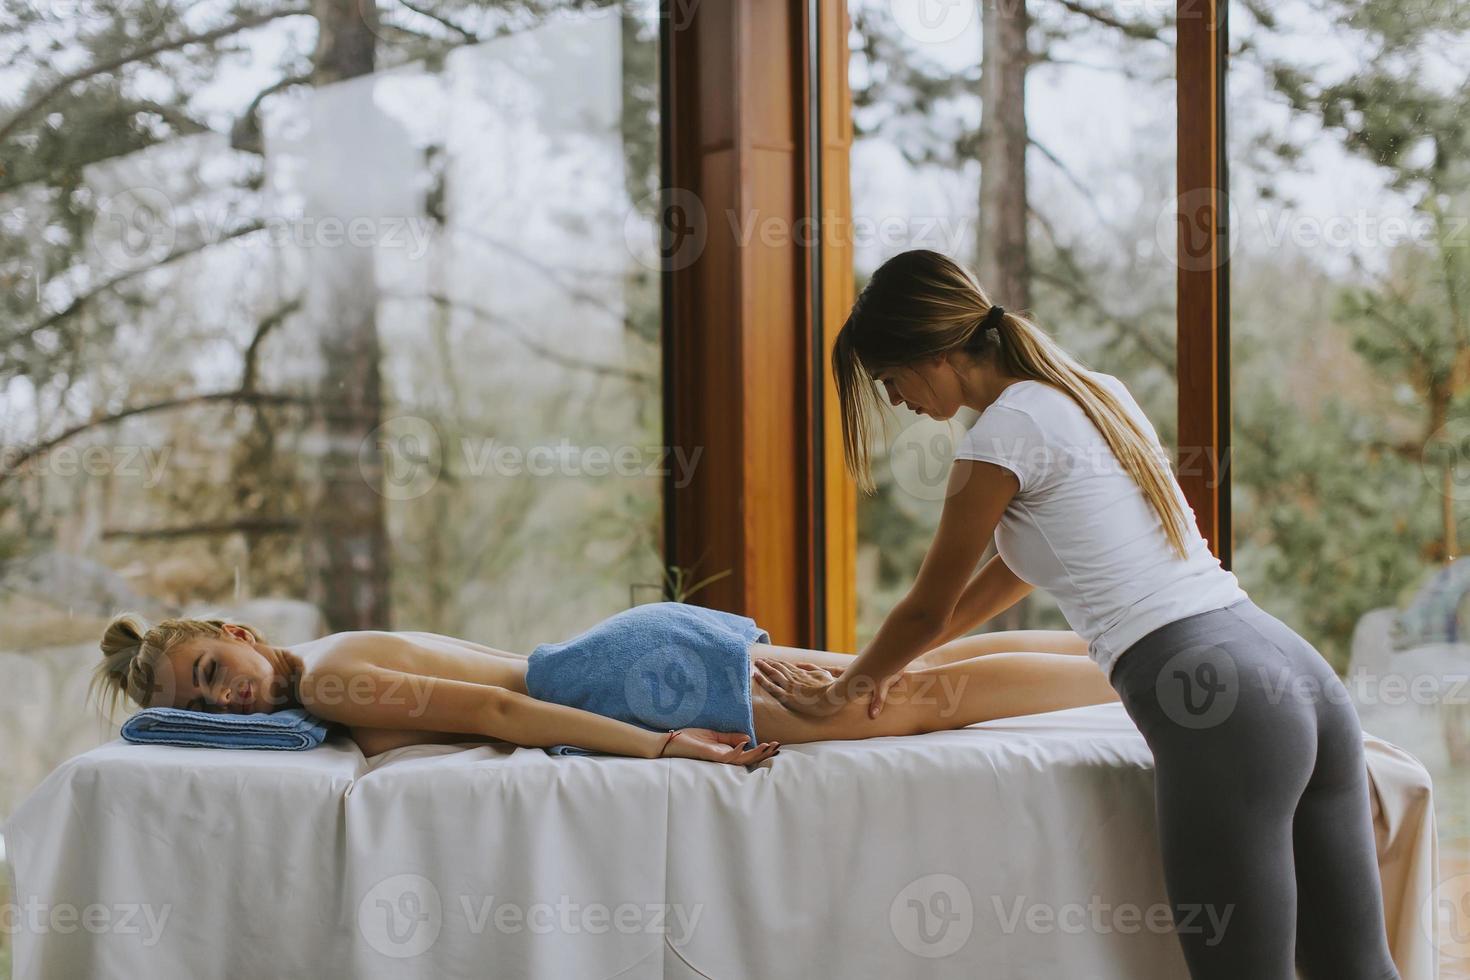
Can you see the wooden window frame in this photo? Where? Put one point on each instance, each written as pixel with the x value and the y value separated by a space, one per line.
pixel 757 126
pixel 1203 351
pixel 756 140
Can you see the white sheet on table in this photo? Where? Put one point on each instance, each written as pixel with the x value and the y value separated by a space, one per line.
pixel 288 864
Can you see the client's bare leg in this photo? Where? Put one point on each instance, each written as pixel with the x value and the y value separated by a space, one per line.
pixel 1000 685
pixel 1003 641
pixel 963 648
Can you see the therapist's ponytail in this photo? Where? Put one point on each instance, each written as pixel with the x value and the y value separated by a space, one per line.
pixel 920 304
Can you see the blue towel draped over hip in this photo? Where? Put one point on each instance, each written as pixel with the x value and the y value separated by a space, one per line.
pixel 662 665
pixel 291 728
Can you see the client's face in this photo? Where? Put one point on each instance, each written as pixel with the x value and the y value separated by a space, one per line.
pixel 219 674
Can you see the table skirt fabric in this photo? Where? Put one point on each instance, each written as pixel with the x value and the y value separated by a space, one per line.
pixel 1018 848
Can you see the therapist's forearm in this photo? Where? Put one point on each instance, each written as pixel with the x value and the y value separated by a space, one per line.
pixel 907 632
pixel 993 590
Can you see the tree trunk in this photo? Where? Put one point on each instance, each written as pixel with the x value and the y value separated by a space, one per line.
pixel 346 540
pixel 1002 258
pixel 346 42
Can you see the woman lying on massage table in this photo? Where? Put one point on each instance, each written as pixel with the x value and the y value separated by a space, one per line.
pixel 644 672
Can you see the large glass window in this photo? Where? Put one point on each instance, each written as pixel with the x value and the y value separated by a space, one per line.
pixel 321 326
pixel 1043 158
pixel 1350 275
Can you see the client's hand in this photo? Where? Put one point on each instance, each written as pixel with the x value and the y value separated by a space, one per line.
pixel 712 746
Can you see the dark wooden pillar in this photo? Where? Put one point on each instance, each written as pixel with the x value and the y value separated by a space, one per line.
pixel 837 291
pixel 1204 271
pixel 746 312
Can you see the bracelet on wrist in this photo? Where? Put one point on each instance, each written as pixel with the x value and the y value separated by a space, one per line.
pixel 672 735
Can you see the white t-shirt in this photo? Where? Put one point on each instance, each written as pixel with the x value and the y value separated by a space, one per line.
pixel 1080 527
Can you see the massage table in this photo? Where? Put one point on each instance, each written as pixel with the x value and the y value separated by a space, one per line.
pixel 1018 848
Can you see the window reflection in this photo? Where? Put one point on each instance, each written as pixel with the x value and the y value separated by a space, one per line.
pixel 316 347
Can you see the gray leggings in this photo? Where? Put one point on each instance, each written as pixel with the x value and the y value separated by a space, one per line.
pixel 1261 798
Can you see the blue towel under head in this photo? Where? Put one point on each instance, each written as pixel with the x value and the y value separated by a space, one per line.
pixel 661 665
pixel 290 729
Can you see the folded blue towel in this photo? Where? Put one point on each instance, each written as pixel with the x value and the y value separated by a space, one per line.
pixel 291 728
pixel 662 665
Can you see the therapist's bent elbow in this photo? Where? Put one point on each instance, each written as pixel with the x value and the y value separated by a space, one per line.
pixel 925 622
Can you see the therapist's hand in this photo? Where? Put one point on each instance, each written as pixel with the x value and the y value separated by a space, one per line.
pixel 815 692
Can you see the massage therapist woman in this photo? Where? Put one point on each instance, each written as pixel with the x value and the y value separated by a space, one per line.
pixel 1261 787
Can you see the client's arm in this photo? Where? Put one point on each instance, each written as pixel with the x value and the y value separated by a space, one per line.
pixel 368 696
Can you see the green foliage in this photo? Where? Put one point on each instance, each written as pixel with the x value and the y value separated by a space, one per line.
pixel 1339 376
pixel 94 341
pixel 1339 496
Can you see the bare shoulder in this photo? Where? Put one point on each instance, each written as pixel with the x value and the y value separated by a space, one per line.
pixel 443 640
pixel 420 654
pixel 356 649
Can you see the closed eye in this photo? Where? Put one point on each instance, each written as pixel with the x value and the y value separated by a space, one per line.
pixel 198 703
